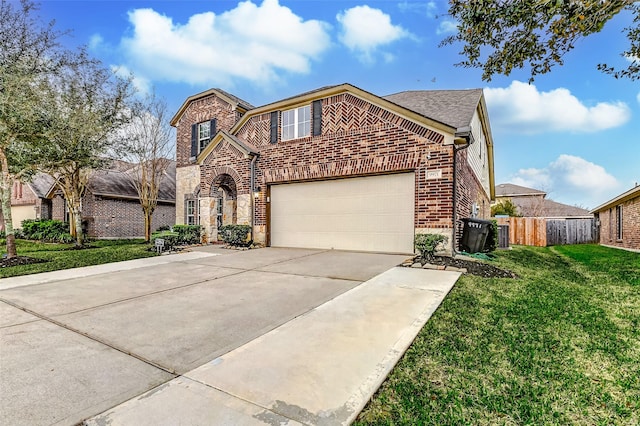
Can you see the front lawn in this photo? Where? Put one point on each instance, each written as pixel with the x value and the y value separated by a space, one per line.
pixel 62 256
pixel 560 345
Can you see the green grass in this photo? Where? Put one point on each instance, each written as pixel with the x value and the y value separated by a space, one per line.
pixel 60 257
pixel 559 346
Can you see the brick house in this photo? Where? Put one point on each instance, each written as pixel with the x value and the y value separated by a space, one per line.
pixel 534 203
pixel 337 167
pixel 28 200
pixel 619 220
pixel 110 206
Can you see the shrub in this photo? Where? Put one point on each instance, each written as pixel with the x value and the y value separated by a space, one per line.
pixel 53 231
pixel 163 228
pixel 427 244
pixel 171 239
pixel 236 235
pixel 188 234
pixel 491 243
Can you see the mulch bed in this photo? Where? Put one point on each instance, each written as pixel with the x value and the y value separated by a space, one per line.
pixel 475 268
pixel 19 260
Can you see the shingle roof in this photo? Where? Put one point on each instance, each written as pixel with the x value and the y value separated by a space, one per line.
pixel 244 104
pixel 555 209
pixel 41 184
pixel 116 183
pixel 511 190
pixel 451 107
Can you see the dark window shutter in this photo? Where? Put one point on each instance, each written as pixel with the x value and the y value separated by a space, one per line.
pixel 194 140
pixel 317 117
pixel 274 127
pixel 213 127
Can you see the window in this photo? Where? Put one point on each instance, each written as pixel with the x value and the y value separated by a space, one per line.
pixel 296 123
pixel 619 222
pixel 192 212
pixel 201 134
pixel 204 134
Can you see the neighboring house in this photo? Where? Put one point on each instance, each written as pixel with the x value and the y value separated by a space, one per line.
pixel 620 220
pixel 27 200
pixel 533 203
pixel 110 206
pixel 335 168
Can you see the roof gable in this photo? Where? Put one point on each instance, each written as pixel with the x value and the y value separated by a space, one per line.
pixel 242 147
pixel 235 101
pixel 307 97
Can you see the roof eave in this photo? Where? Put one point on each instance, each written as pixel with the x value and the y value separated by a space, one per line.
pixel 625 196
pixel 219 137
pixel 237 106
pixel 339 89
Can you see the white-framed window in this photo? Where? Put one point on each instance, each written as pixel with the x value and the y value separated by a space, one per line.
pixel 619 222
pixel 204 134
pixel 296 123
pixel 192 212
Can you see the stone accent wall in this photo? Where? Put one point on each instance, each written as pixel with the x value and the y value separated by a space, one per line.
pixel 187 181
pixel 630 225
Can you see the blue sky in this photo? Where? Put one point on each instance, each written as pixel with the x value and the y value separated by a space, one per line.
pixel 574 133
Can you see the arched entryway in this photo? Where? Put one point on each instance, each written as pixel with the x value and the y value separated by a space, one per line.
pixel 224 195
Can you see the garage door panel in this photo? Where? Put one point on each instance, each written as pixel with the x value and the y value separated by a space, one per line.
pixel 367 213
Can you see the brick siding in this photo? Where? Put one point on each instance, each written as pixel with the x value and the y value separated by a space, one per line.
pixel 115 218
pixel 630 225
pixel 22 195
pixel 357 139
pixel 201 110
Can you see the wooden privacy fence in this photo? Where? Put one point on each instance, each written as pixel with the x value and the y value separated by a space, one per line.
pixel 542 232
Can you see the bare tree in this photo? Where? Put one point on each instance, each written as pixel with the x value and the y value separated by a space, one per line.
pixel 29 53
pixel 148 144
pixel 86 105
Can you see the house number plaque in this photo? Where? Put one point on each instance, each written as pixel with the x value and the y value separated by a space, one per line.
pixel 434 174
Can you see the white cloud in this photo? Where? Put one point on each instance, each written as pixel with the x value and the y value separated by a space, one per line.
pixel 521 108
pixel 428 8
pixel 252 42
pixel 141 84
pixel 447 27
pixel 96 41
pixel 571 180
pixel 364 30
pixel 638 97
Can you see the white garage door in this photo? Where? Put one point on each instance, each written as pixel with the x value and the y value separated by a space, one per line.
pixel 367 213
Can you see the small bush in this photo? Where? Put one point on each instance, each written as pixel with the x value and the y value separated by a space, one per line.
pixel 171 239
pixel 163 228
pixel 236 235
pixel 427 244
pixel 491 243
pixel 51 231
pixel 188 234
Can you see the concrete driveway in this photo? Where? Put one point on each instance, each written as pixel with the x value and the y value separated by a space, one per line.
pixel 76 343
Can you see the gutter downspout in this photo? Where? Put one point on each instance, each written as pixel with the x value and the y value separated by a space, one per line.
pixel 252 191
pixel 462 140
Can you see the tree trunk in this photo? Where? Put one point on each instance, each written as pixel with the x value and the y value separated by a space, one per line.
pixel 5 188
pixel 147 224
pixel 76 213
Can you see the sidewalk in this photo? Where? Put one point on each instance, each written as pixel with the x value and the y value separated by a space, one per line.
pixel 320 368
